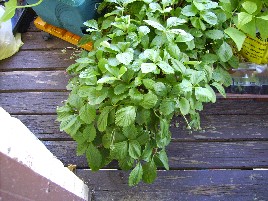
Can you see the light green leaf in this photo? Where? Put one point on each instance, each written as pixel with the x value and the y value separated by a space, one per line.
pixel 87 113
pixel 149 172
pixel 163 158
pixel 135 175
pixel 213 95
pixel 203 94
pixel 183 36
pixel 173 50
pixel 75 101
pixel 210 17
pixel 120 88
pixel 225 52
pixel 144 30
pixel 189 11
pixel 119 150
pixel 125 58
pixel 89 133
pixel 148 83
pixel 167 107
pixel 249 6
pixel 178 65
pixel 160 89
pixel 220 88
pixel 184 106
pixel 106 79
pixel 92 25
pixel 155 24
pixel 215 34
pixel 166 67
pixel 94 157
pixel 237 36
pixel 134 149
pixel 126 164
pixel 68 122
pixel 103 118
pixel 243 18
pixel 149 100
pixel 262 27
pixel 95 96
pixel 175 21
pixel 125 116
pixel 186 86
pixel 148 67
pixel 130 132
pixel 155 7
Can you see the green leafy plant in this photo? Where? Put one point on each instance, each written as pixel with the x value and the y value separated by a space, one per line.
pixel 10 9
pixel 152 60
pixel 247 17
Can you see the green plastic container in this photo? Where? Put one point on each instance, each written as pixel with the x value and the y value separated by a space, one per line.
pixel 67 14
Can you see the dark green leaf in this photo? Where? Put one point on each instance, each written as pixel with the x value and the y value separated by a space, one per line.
pixel 103 118
pixel 89 133
pixel 225 52
pixel 87 113
pixel 125 116
pixel 167 107
pixel 135 175
pixel 94 157
pixel 163 158
pixel 149 100
pixel 119 150
pixel 134 149
pixel 149 172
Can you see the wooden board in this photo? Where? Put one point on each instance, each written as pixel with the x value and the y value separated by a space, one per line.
pixel 187 155
pixel 215 127
pixel 33 80
pixel 34 60
pixel 35 41
pixel 46 102
pixel 179 185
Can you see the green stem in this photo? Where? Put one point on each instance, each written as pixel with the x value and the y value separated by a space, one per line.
pixel 32 5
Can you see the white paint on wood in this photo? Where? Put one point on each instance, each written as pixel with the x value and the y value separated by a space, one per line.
pixel 18 142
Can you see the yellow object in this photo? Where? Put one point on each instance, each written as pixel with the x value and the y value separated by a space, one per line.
pixel 255 50
pixel 60 33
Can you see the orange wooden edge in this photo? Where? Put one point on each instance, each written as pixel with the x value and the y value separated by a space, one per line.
pixel 60 33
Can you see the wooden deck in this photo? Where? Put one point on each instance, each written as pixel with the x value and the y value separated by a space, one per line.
pixel 214 164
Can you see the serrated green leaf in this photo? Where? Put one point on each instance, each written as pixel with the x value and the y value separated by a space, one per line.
pixel 243 18
pixel 103 118
pixel 167 107
pixel 210 17
pixel 184 106
pixel 92 24
pixel 149 100
pixel 143 137
pixel 125 116
pixel 173 50
pixel 148 83
pixel 121 88
pixel 215 34
pixel 182 36
pixel 178 65
pixel 225 52
pixel 134 149
pixel 126 164
pixel 249 6
pixel 94 157
pixel 155 24
pixel 186 86
pixel 213 95
pixel 81 148
pixel 149 172
pixel 220 88
pixel 262 27
pixel 175 21
pixel 163 158
pixel 95 96
pixel 237 36
pixel 143 30
pixel 203 94
pixel 130 132
pixel 119 150
pixel 160 89
pixel 89 133
pixel 148 67
pixel 167 69
pixel 68 122
pixel 197 77
pixel 135 175
pixel 189 11
pixel 87 113
pixel 125 58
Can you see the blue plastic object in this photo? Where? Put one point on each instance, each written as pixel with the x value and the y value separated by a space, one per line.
pixel 67 14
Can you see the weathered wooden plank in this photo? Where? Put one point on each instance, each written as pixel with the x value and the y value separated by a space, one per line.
pixel 35 40
pixel 33 80
pixel 46 102
pixel 32 102
pixel 187 155
pixel 222 127
pixel 54 59
pixel 179 185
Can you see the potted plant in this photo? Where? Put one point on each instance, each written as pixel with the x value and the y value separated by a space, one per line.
pixel 249 20
pixel 151 61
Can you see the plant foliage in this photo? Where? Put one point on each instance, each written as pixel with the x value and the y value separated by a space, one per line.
pixel 152 60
